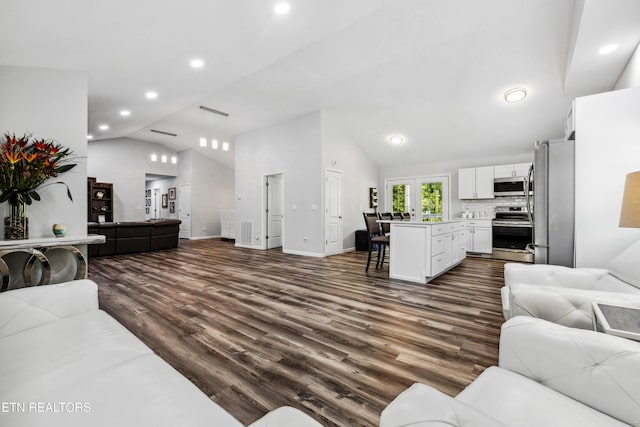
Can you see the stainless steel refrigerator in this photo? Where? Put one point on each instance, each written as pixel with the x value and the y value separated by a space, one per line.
pixel 552 207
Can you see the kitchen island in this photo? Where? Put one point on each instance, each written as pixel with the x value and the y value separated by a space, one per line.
pixel 420 251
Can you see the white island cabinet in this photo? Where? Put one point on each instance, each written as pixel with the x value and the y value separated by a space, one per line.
pixel 420 251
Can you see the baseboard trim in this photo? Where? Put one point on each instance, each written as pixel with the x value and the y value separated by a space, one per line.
pixel 311 254
pixel 241 245
pixel 344 251
pixel 204 237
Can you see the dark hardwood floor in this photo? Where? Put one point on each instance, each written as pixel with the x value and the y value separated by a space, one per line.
pixel 257 329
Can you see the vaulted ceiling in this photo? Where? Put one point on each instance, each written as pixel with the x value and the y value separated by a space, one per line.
pixel 433 71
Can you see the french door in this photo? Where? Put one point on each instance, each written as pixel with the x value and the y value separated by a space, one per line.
pixel 425 198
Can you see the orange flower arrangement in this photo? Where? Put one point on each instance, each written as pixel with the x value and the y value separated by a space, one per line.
pixel 25 167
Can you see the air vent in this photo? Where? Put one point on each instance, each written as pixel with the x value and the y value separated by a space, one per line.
pixel 246 230
pixel 163 132
pixel 214 111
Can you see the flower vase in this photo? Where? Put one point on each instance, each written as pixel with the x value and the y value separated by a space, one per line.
pixel 16 225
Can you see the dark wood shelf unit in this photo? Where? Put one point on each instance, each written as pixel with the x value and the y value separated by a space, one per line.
pixel 100 200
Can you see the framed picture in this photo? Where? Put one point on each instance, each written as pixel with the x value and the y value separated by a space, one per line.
pixel 101 218
pixel 147 202
pixel 172 207
pixel 164 201
pixel 172 193
pixel 146 210
pixel 147 193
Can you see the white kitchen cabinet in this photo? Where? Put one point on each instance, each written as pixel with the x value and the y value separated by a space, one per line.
pixel 479 236
pixel 420 251
pixel 476 183
pixel 511 171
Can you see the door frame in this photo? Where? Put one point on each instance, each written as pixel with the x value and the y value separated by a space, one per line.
pixel 414 181
pixel 264 214
pixel 324 182
pixel 180 206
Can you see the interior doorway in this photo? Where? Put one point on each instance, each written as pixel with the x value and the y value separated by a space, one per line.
pixel 333 243
pixel 184 210
pixel 274 200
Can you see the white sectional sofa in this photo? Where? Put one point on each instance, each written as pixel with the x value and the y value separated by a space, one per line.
pixel 548 375
pixel 64 362
pixel 564 295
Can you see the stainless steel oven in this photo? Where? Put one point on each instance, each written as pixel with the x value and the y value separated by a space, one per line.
pixel 512 232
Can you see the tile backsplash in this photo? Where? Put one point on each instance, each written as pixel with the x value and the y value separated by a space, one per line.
pixel 488 206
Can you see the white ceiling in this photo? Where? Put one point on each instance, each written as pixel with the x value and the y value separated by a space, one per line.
pixel 433 71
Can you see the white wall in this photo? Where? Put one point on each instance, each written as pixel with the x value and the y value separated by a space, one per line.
pixel 293 148
pixel 50 104
pixel 607 148
pixel 125 163
pixel 359 173
pixel 428 169
pixel 212 189
pixel 630 76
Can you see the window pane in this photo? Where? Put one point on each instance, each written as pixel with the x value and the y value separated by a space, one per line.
pixel 401 198
pixel 432 201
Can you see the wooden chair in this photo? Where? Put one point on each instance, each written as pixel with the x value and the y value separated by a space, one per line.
pixel 385 230
pixel 397 216
pixel 406 216
pixel 374 236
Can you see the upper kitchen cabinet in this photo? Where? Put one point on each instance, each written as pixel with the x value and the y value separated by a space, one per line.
pixel 476 183
pixel 510 171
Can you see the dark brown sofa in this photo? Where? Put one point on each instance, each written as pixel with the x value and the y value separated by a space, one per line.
pixel 131 237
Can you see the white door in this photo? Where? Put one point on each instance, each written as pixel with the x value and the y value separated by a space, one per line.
pixel 399 196
pixel 425 198
pixel 184 210
pixel 275 209
pixel 333 212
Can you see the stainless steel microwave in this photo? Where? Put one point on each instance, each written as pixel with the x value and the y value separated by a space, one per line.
pixel 511 186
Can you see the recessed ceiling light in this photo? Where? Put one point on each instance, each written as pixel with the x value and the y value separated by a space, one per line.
pixel 89 136
pixel 214 144
pixel 103 127
pixel 396 139
pixel 196 63
pixel 154 157
pixel 516 94
pixel 164 158
pixel 607 49
pixel 282 8
pixel 225 146
pixel 203 142
pixel 125 113
pixel 151 95
pixel 174 159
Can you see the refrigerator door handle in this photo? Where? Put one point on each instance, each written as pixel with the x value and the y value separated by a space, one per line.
pixel 527 194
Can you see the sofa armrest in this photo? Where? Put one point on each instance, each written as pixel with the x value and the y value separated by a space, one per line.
pixel 286 416
pixel 555 275
pixel 26 308
pixel 564 306
pixel 593 368
pixel 424 406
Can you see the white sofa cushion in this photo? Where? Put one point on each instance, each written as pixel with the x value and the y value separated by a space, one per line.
pixel 286 416
pixel 564 306
pixel 423 406
pixel 626 265
pixel 518 401
pixel 90 358
pixel 596 369
pixel 26 308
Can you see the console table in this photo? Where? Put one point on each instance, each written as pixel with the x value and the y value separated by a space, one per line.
pixel 35 262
